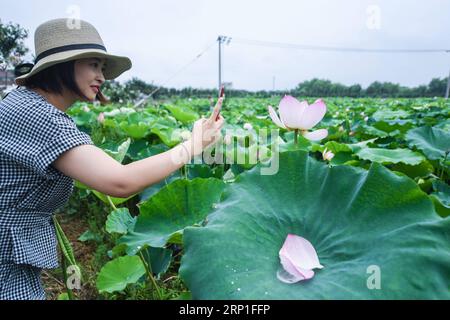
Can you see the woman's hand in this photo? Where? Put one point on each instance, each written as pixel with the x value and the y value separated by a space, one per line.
pixel 206 131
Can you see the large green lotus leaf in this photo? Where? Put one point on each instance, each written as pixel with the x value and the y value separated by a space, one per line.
pixel 178 205
pixel 169 136
pixel 80 185
pixel 84 119
pixel 342 152
pixel 204 171
pixel 390 114
pixel 194 171
pixel 336 147
pixel 386 156
pixel 420 170
pixel 302 143
pixel 136 147
pixel 158 258
pixel 433 142
pixel 441 208
pixel 393 129
pixel 441 197
pixel 356 147
pixel 120 221
pixel 442 191
pixel 154 188
pixel 355 219
pixel 118 273
pixel 183 114
pixel 141 150
pixel 116 201
pixel 136 130
pixel 119 155
pixel 166 129
pixel 246 157
pixel 334 133
pixel 443 125
pixel 371 131
pixel 103 197
pixel 117 151
pixel 110 123
pixel 344 158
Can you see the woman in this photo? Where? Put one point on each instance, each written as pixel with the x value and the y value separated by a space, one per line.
pixel 42 151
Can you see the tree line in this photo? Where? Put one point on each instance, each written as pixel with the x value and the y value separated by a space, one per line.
pixel 136 89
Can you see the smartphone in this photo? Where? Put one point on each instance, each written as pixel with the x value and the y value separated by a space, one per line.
pixel 221 94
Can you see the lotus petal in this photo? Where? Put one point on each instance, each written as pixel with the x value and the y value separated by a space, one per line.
pixel 275 119
pixel 312 115
pixel 291 111
pixel 316 135
pixel 301 254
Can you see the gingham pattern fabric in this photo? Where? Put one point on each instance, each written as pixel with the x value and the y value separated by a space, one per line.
pixel 20 282
pixel 33 133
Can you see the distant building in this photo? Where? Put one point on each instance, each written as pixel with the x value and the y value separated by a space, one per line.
pixel 8 76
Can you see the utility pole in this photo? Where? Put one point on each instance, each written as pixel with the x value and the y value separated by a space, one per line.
pixel 273 83
pixel 220 40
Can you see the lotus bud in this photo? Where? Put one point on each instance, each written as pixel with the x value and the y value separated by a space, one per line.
pixel 101 117
pixel 327 155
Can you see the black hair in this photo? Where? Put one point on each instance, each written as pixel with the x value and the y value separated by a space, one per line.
pixel 55 78
pixel 22 69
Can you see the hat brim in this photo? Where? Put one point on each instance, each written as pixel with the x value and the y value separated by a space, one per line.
pixel 114 67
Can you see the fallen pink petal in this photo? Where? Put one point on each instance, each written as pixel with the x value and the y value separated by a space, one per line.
pixel 298 259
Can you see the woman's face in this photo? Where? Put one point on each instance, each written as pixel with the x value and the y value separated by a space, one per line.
pixel 89 76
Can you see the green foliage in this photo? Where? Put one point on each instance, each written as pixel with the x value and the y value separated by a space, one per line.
pixel 12 47
pixel 135 89
pixel 118 273
pixel 384 140
pixel 181 204
pixel 354 218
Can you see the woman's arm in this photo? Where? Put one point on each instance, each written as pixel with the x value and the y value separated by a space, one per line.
pixel 95 168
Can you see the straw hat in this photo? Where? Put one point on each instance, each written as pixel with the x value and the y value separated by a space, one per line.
pixel 58 41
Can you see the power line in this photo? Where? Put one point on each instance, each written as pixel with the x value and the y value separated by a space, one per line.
pixel 331 48
pixel 198 56
pixel 223 39
pixel 339 49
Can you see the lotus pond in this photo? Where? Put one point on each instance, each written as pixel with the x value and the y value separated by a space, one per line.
pixel 361 212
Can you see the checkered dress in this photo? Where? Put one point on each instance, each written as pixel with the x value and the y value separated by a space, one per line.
pixel 33 133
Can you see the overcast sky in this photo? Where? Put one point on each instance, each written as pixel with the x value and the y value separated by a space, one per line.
pixel 162 36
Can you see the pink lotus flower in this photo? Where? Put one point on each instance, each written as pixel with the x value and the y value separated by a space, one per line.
pixel 101 117
pixel 300 116
pixel 298 257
